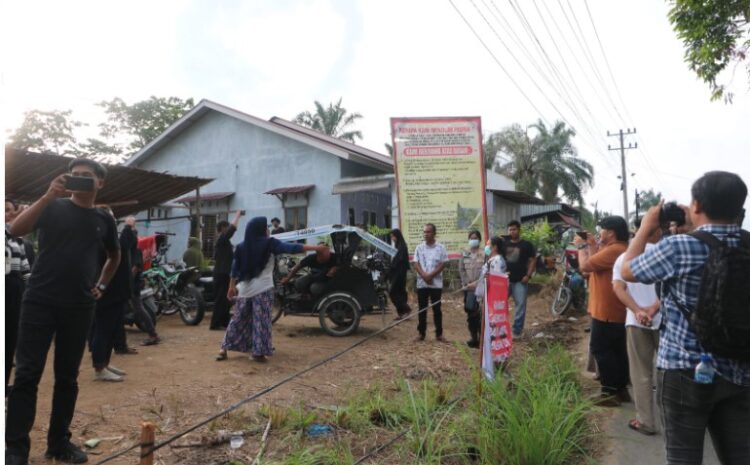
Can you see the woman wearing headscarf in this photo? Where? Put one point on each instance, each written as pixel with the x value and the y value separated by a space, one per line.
pixel 397 275
pixel 251 282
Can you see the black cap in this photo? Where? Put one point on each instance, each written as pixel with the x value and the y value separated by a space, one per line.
pixel 616 224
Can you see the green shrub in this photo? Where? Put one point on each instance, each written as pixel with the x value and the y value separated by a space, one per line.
pixel 543 237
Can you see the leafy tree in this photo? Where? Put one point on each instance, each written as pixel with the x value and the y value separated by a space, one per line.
pixel 333 121
pixel 647 199
pixel 547 164
pixel 388 148
pixel 140 123
pixel 516 153
pixel 715 33
pixel 47 131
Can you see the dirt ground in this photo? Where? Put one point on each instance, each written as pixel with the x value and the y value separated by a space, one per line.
pixel 178 383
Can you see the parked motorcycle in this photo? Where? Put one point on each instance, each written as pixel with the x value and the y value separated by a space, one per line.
pixel 149 304
pixel 572 289
pixel 175 291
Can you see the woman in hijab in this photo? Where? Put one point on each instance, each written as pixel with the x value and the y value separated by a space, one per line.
pixel 251 283
pixel 399 267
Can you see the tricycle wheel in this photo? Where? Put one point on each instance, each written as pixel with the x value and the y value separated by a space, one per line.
pixel 339 314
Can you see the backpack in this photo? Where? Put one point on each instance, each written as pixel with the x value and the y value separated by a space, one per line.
pixel 721 320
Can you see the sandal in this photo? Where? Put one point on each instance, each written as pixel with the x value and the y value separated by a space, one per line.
pixel 636 425
pixel 127 351
pixel 221 356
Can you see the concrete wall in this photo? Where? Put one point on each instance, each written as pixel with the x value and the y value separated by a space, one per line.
pixel 500 212
pixel 378 202
pixel 248 160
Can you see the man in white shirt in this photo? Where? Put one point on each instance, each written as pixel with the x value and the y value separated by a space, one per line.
pixel 642 327
pixel 430 258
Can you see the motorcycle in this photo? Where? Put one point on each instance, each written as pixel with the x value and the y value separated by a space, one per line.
pixel 175 290
pixel 149 304
pixel 572 289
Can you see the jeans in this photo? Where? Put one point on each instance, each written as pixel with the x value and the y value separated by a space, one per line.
pixel 473 314
pixel 609 346
pixel 13 293
pixel 39 325
pixel 433 295
pixel 688 408
pixel 220 316
pixel 107 320
pixel 518 291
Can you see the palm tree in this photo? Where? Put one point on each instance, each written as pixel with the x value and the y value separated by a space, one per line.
pixel 546 164
pixel 332 121
pixel 559 167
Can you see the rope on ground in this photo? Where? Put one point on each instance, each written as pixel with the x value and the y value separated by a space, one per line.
pixel 270 388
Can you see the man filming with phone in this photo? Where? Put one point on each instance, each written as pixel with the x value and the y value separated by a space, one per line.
pixel 59 302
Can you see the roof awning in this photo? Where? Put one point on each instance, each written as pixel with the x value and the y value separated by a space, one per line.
pixel 516 196
pixel 363 184
pixel 127 190
pixel 206 197
pixel 290 190
pixel 570 221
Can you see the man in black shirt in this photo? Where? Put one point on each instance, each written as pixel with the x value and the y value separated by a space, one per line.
pixel 520 257
pixel 223 253
pixel 59 302
pixel 276 227
pixel 322 268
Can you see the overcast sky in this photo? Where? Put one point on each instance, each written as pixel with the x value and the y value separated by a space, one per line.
pixel 394 58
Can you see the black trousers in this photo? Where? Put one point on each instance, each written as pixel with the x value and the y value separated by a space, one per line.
pixel 13 292
pixel 433 295
pixel 398 295
pixel 107 322
pixel 690 408
pixel 609 347
pixel 38 326
pixel 220 316
pixel 473 315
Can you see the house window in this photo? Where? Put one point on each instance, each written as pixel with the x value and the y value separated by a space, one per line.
pixel 387 222
pixel 295 218
pixel 373 219
pixel 365 218
pixel 352 219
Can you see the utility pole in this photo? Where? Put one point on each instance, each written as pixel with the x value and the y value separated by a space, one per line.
pixel 622 148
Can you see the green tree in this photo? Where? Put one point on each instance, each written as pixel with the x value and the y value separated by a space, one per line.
pixel 334 121
pixel 547 165
pixel 47 132
pixel 715 33
pixel 139 123
pixel 512 153
pixel 647 199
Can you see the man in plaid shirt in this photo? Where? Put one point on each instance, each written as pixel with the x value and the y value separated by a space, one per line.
pixel 677 262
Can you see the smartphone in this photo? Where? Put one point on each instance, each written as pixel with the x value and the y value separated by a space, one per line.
pixel 79 183
pixel 583 234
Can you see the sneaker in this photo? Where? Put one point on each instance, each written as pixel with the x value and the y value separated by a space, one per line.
pixel 68 453
pixel 115 370
pixel 106 375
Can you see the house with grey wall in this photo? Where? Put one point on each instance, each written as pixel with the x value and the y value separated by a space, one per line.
pixel 273 168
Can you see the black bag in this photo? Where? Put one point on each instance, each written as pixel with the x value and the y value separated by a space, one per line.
pixel 471 304
pixel 721 320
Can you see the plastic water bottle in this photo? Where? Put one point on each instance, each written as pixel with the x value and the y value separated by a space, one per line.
pixel 236 441
pixel 704 372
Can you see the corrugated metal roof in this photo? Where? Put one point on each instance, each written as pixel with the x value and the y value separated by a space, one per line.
pixel 539 209
pixel 517 197
pixel 291 189
pixel 206 197
pixel 127 190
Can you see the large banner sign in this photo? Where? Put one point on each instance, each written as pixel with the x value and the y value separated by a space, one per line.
pixel 440 177
pixel 497 339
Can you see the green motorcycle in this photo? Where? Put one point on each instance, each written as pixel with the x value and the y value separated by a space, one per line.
pixel 175 291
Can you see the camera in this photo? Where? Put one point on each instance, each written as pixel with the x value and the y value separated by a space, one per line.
pixel 670 211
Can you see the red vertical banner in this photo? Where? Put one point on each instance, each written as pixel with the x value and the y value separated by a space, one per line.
pixel 497 334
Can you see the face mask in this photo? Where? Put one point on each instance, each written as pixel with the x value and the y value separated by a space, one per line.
pixel 487 250
pixel 473 243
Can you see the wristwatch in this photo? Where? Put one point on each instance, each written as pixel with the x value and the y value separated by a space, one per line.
pixel 101 287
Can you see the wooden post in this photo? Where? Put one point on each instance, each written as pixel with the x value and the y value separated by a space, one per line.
pixel 147 443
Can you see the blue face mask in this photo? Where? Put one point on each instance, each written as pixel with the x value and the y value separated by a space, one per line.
pixel 473 243
pixel 487 250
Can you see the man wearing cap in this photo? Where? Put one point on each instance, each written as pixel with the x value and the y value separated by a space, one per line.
pixel 608 340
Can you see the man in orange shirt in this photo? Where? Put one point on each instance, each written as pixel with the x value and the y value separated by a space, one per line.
pixel 608 340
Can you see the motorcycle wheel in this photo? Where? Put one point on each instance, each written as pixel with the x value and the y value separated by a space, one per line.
pixel 562 301
pixel 277 311
pixel 339 315
pixel 191 305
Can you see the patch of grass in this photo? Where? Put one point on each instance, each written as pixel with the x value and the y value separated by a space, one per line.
pixel 539 417
pixel 319 455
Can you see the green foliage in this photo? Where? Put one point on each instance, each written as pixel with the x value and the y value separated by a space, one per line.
pixel 47 131
pixel 544 165
pixel 543 237
pixel 319 455
pixel 647 199
pixel 379 232
pixel 715 34
pixel 333 121
pixel 537 418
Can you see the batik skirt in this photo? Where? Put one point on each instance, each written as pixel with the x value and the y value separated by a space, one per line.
pixel 249 330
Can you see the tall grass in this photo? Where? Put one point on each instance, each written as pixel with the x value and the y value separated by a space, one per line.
pixel 538 417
